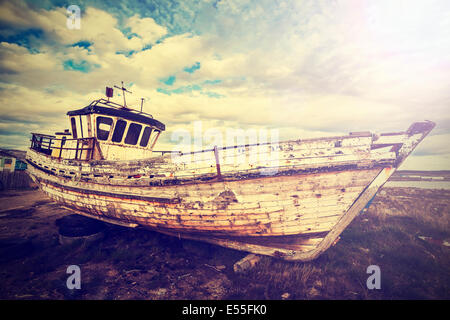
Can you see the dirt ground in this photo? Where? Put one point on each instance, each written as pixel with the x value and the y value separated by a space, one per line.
pixel 405 231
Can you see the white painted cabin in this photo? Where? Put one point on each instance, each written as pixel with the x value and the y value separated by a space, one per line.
pixel 103 130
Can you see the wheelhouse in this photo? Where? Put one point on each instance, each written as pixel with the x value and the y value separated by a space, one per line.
pixel 103 130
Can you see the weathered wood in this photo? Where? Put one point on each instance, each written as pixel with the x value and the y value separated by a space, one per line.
pixel 309 209
pixel 246 263
pixel 290 199
pixel 14 180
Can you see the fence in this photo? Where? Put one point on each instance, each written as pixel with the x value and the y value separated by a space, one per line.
pixel 15 180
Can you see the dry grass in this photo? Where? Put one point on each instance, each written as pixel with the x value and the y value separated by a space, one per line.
pixel 137 264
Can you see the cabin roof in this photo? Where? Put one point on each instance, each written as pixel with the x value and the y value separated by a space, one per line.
pixel 105 107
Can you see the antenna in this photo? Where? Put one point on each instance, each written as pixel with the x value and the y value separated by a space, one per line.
pixel 123 91
pixel 142 103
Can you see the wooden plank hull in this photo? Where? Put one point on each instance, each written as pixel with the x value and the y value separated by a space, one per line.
pixel 296 212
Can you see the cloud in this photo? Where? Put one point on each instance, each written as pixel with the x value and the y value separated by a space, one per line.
pixel 15 59
pixel 146 29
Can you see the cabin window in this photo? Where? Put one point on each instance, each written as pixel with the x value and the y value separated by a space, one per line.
pixel 155 136
pixel 74 128
pixel 119 130
pixel 84 129
pixel 145 136
pixel 133 134
pixel 103 127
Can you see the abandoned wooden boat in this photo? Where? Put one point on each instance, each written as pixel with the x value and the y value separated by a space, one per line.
pixel 292 201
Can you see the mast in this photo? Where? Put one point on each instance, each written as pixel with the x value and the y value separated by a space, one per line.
pixel 123 92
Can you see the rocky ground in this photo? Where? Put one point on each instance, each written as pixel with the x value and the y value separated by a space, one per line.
pixel 405 231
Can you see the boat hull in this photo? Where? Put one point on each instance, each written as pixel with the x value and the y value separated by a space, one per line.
pixel 284 216
pixel 295 213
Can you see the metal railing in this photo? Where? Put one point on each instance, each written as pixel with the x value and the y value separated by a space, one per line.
pixel 47 144
pixel 117 106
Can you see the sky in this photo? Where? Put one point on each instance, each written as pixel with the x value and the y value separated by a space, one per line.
pixel 305 68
